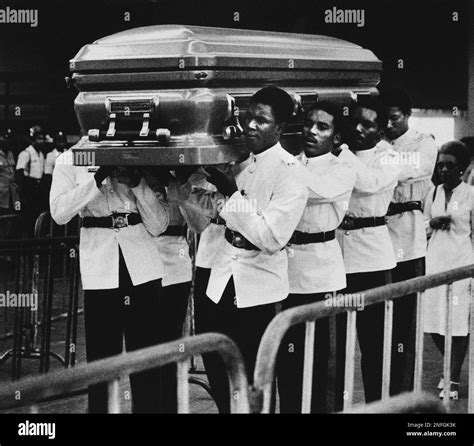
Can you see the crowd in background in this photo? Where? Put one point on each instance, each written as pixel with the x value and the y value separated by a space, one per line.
pixel 25 175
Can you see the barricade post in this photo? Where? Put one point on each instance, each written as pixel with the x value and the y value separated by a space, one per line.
pixel 271 340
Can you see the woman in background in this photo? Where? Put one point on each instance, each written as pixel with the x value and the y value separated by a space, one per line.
pixel 448 210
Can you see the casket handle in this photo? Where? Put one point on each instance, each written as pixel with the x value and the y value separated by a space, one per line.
pixel 111 130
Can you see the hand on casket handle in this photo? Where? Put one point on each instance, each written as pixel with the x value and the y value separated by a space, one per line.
pixel 157 177
pixel 128 175
pixel 102 174
pixel 224 182
pixel 184 172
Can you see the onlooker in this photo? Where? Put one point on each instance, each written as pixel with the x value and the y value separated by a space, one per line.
pixel 8 187
pixel 59 146
pixel 30 170
pixel 448 209
pixel 468 175
pixel 9 200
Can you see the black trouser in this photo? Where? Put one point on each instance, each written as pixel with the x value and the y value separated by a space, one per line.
pixel 291 360
pixel 31 203
pixel 403 338
pixel 245 326
pixel 370 329
pixel 146 316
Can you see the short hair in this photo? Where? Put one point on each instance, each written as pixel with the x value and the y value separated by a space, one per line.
pixel 469 141
pixel 36 131
pixel 279 100
pixel 396 97
pixel 372 103
pixel 459 150
pixel 331 109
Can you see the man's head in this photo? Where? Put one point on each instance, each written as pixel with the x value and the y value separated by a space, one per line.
pixel 397 105
pixel 60 141
pixel 322 129
pixel 367 119
pixel 269 111
pixel 38 137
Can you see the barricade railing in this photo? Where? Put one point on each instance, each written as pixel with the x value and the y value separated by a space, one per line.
pixel 10 228
pixel 30 256
pixel 31 391
pixel 308 314
pixel 409 402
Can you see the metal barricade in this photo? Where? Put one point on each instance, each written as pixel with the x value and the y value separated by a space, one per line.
pixel 31 256
pixel 30 391
pixel 10 228
pixel 409 402
pixel 308 314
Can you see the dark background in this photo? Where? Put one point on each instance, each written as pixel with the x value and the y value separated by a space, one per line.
pixel 34 61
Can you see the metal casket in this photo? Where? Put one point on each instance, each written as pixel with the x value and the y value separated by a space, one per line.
pixel 176 95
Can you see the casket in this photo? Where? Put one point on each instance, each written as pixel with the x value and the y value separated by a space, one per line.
pixel 177 95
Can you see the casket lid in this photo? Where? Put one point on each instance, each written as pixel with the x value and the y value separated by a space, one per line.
pixel 165 47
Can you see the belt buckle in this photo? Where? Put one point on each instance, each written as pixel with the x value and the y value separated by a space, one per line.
pixel 119 221
pixel 237 240
pixel 348 223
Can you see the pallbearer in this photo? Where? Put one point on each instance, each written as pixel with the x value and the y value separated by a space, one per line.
pixel 416 157
pixel 315 264
pixel 365 241
pixel 264 204
pixel 121 267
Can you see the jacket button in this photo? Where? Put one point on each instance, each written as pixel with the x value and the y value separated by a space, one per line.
pixel 234 257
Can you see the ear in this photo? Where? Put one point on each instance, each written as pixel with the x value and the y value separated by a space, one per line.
pixel 337 139
pixel 281 128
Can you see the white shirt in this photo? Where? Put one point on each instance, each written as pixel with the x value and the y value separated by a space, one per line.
pixel 266 210
pixel 74 191
pixel 417 158
pixel 319 267
pixel 50 162
pixel 174 249
pixel 369 249
pixel 198 196
pixel 31 162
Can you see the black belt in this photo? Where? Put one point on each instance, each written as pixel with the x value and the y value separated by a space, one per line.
pixel 176 231
pixel 114 221
pixel 239 241
pixel 218 221
pixel 304 238
pixel 400 208
pixel 351 223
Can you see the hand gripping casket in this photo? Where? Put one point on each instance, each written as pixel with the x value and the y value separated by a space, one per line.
pixel 177 95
